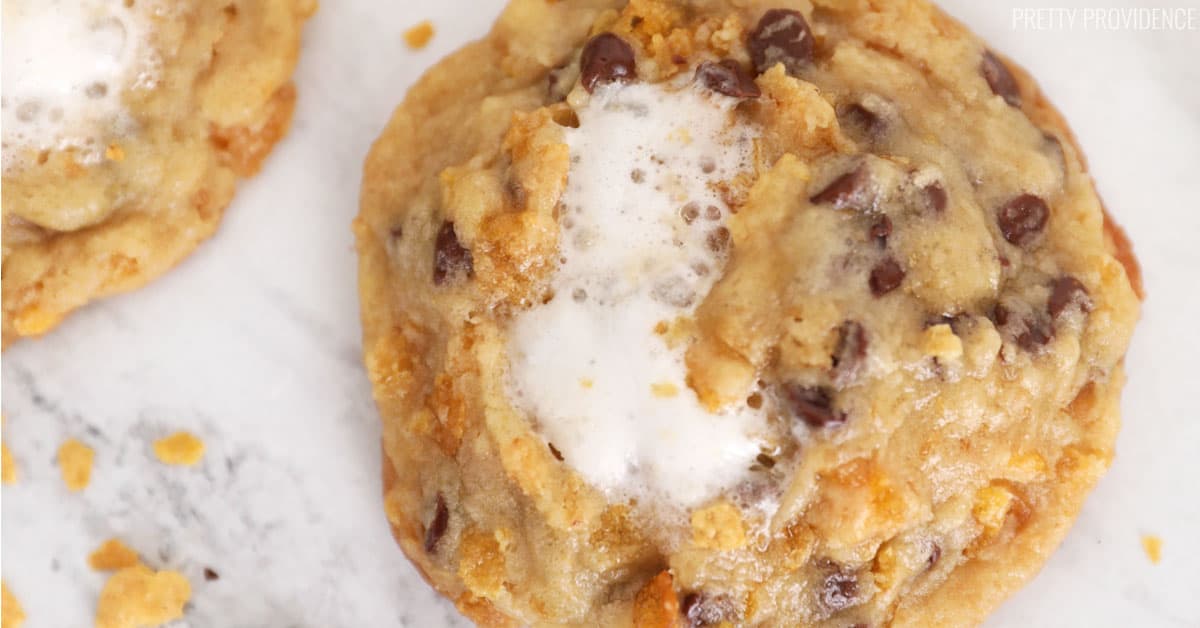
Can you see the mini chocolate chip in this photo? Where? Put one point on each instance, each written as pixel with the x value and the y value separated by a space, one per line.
pixel 881 230
pixel 712 212
pixel 812 405
pixel 848 190
pixel 606 58
pixel 210 574
pixel 886 276
pixel 839 590
pixel 1022 219
pixel 1065 292
pixel 766 461
pixel 862 120
pixel 703 610
pixel 935 197
pixel 781 36
pixel 437 527
pixel 555 452
pixel 935 554
pixel 636 21
pixel 450 258
pixel 1000 79
pixel 851 351
pixel 727 77
pixel 718 239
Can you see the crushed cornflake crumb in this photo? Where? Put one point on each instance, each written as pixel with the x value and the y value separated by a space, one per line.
pixel 8 464
pixel 75 461
pixel 11 613
pixel 138 597
pixel 180 448
pixel 113 555
pixel 418 36
pixel 1152 545
pixel 664 389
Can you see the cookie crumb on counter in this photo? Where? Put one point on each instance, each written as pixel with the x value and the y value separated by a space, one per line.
pixel 180 448
pixel 418 36
pixel 1152 545
pixel 75 461
pixel 11 613
pixel 113 555
pixel 138 596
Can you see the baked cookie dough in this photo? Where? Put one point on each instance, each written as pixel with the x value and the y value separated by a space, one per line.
pixel 756 313
pixel 125 129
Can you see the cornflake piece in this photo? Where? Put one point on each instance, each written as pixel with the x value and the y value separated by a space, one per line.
pixel 139 597
pixel 1152 545
pixel 11 613
pixel 180 448
pixel 75 461
pixel 113 555
pixel 418 36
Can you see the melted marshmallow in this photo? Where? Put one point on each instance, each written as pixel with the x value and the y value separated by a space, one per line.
pixel 605 389
pixel 66 63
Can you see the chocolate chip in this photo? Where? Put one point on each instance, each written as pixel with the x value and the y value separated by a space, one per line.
pixel 606 58
pixel 437 527
pixel 766 461
pixel 848 190
pixel 727 77
pixel 851 351
pixel 782 36
pixel 1000 315
pixel 935 197
pixel 812 405
pixel 1000 79
pixel 718 239
pixel 712 212
pixel 839 591
pixel 1022 219
pixel 881 230
pixel 690 212
pixel 700 609
pixel 886 276
pixel 862 121
pixel 1065 292
pixel 211 574
pixel 555 452
pixel 450 259
pixel 1037 333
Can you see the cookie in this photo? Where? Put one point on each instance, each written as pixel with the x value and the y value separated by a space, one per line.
pixel 125 129
pixel 754 313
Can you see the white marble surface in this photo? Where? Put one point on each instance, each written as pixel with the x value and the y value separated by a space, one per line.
pixel 254 344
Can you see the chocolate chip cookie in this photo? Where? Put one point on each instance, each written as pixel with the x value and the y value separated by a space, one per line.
pixel 756 313
pixel 125 129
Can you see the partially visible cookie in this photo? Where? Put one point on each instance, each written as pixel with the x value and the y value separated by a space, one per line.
pixel 126 126
pixel 757 313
